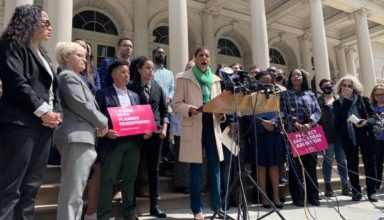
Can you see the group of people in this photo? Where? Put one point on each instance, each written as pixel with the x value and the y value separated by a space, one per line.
pixel 40 109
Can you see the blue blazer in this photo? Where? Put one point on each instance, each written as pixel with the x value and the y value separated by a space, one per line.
pixel 107 97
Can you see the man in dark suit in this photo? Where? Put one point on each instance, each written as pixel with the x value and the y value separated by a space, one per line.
pixel 119 155
pixel 151 93
pixel 124 50
pixel 29 109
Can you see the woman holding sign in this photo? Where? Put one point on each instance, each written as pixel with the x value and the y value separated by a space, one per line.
pixel 352 112
pixel 119 155
pixel 301 112
pixel 200 131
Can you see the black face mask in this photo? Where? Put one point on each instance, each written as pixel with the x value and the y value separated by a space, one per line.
pixel 279 78
pixel 327 89
pixel 159 59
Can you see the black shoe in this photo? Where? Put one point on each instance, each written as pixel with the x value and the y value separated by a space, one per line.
pixel 279 206
pixel 314 202
pixel 266 206
pixel 155 211
pixel 373 198
pixel 299 203
pixel 356 197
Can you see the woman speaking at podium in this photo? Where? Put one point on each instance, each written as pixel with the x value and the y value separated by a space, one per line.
pixel 301 112
pixel 194 88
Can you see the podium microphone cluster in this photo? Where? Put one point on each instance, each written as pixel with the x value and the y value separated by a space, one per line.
pixel 241 81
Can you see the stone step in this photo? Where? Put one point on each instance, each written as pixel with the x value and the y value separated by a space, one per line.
pixel 167 201
pixel 284 189
pixel 320 159
pixel 48 193
pixel 52 174
pixel 46 206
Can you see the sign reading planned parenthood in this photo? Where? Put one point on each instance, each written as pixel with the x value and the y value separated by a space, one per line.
pixel 132 120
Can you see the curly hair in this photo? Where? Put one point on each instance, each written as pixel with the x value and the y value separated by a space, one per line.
pixel 372 96
pixel 135 65
pixel 357 86
pixel 25 22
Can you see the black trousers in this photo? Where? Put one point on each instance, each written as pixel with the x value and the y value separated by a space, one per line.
pixel 366 142
pixel 379 155
pixel 296 180
pixel 150 155
pixel 23 159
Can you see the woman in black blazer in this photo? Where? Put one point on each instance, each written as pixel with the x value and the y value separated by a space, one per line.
pixel 355 135
pixel 29 109
pixel 150 92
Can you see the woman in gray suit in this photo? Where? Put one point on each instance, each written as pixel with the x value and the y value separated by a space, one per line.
pixel 76 138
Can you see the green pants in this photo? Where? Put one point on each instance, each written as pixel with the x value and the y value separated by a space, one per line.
pixel 120 162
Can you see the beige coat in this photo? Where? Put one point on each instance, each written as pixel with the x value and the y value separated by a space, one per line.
pixel 188 93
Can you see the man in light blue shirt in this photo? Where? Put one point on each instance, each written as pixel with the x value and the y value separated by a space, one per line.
pixel 163 76
pixel 165 79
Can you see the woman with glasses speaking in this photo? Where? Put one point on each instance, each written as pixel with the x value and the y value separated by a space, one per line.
pixel 351 113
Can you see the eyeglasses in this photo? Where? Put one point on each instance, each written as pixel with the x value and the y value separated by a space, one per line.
pixel 347 85
pixel 46 23
pixel 379 94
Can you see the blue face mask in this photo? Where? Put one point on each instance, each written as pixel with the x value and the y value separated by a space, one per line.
pixel 327 89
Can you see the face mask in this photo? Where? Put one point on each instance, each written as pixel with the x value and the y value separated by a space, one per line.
pixel 279 78
pixel 327 89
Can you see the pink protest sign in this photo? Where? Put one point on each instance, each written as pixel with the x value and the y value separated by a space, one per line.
pixel 314 141
pixel 131 120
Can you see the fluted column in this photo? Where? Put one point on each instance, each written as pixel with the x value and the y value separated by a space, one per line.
pixel 319 41
pixel 305 52
pixel 349 52
pixel 60 15
pixel 367 66
pixel 341 60
pixel 140 36
pixel 260 49
pixel 178 35
pixel 209 35
pixel 10 6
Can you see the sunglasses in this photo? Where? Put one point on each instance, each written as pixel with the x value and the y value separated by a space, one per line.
pixel 46 23
pixel 347 85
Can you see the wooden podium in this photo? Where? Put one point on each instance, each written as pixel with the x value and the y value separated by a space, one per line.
pixel 254 103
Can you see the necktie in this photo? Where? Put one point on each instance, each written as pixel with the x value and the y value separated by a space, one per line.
pixel 147 93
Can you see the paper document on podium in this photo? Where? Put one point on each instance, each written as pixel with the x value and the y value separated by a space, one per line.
pixel 229 143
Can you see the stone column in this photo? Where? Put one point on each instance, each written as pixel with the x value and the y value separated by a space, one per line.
pixel 349 52
pixel 260 49
pixel 9 8
pixel 306 54
pixel 341 60
pixel 140 37
pixel 178 35
pixel 367 66
pixel 209 35
pixel 60 14
pixel 319 41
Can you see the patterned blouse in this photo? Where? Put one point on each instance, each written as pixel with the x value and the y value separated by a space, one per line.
pixel 301 107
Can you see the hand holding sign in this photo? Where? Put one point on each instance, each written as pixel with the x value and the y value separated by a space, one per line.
pixel 313 141
pixel 132 120
pixel 112 134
